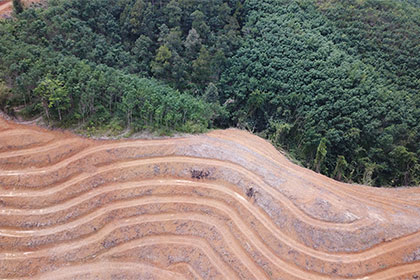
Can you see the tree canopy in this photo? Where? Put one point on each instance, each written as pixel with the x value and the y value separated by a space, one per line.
pixel 334 83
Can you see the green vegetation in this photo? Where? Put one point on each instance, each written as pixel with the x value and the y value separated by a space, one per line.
pixel 335 83
pixel 90 63
pixel 17 6
pixel 323 86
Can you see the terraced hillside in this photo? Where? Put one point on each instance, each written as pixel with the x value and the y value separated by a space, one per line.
pixel 225 205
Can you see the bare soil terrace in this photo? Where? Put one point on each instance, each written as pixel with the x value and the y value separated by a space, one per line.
pixel 224 205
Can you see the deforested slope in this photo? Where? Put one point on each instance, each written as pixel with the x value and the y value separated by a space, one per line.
pixel 224 205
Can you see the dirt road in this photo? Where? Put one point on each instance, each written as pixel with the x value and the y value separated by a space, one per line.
pixel 225 205
pixel 5 7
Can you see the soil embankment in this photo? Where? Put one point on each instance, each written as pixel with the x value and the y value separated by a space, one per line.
pixel 6 6
pixel 225 205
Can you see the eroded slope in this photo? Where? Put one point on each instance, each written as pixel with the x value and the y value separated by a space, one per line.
pixel 225 205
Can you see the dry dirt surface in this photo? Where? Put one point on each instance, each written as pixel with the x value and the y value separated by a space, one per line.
pixel 6 6
pixel 225 205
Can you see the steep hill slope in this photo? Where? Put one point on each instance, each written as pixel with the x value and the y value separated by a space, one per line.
pixel 225 205
pixel 334 83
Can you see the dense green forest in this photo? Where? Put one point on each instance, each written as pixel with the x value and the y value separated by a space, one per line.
pixel 334 83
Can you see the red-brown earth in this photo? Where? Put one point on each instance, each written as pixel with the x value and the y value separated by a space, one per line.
pixel 224 205
pixel 6 6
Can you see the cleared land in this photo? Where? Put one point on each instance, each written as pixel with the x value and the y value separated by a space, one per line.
pixel 6 6
pixel 225 205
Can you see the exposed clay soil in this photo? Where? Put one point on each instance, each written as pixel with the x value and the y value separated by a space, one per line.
pixel 225 205
pixel 6 6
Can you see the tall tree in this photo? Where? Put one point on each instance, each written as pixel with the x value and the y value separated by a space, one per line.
pixel 17 6
pixel 321 153
pixel 161 66
pixel 54 95
pixel 202 67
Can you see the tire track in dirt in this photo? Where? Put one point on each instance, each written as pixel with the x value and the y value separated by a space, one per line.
pixel 41 156
pixel 291 271
pixel 41 149
pixel 209 163
pixel 358 192
pixel 269 225
pixel 11 140
pixel 183 266
pixel 246 210
pixel 108 149
pixel 100 235
pixel 222 267
pixel 232 215
pixel 90 152
pixel 416 211
pixel 105 268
